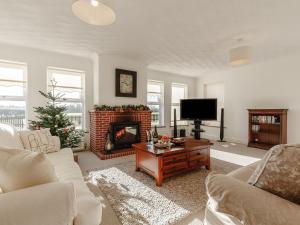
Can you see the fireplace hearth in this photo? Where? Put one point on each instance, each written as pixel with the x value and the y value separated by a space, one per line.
pixel 124 134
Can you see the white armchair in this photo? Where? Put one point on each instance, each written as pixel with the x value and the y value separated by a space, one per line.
pixel 234 201
pixel 47 204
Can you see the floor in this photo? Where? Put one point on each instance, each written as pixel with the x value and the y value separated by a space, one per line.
pixel 236 154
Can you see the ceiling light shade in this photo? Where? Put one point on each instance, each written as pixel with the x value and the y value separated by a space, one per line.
pixel 95 12
pixel 239 56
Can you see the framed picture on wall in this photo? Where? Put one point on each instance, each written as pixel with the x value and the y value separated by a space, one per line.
pixel 126 82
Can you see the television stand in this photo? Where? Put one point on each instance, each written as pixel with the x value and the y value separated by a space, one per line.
pixel 197 130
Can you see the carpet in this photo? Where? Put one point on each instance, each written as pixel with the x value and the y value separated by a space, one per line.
pixel 136 199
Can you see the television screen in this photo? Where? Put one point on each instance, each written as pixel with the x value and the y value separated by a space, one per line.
pixel 198 109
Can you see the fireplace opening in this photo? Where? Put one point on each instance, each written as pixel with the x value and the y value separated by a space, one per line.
pixel 124 134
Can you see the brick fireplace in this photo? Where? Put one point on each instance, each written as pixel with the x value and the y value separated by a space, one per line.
pixel 100 122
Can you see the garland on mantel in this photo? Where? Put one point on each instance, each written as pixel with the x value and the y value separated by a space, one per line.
pixel 122 108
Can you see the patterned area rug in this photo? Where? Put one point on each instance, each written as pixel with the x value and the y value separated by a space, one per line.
pixel 136 199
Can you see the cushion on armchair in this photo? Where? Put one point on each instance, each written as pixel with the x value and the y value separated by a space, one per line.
pixel 21 168
pixel 279 172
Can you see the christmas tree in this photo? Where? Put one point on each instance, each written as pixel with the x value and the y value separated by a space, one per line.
pixel 54 116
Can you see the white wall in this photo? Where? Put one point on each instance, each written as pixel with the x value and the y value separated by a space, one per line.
pixel 37 62
pixel 105 91
pixel 271 84
pixel 168 79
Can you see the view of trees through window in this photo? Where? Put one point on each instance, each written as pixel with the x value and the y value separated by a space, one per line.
pixel 13 94
pixel 70 85
pixel 179 91
pixel 155 95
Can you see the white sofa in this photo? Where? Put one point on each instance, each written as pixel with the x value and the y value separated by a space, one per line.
pixel 67 202
pixel 233 201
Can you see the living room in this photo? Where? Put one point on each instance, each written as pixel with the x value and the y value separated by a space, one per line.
pixel 129 112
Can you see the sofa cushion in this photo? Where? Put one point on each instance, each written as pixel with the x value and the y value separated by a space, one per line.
pixel 279 172
pixel 39 141
pixel 20 169
pixel 243 173
pixel 65 167
pixel 9 137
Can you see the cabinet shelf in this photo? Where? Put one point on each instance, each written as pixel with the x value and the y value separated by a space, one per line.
pixel 267 127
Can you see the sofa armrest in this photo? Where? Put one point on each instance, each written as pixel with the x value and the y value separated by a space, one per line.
pixel 249 204
pixel 56 141
pixel 47 204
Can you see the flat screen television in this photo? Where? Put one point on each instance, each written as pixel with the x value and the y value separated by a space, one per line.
pixel 198 109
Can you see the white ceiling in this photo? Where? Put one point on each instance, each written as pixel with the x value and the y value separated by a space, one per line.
pixel 190 37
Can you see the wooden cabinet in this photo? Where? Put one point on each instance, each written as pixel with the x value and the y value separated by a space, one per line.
pixel 267 127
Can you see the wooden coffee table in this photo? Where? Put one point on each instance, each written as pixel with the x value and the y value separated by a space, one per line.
pixel 163 163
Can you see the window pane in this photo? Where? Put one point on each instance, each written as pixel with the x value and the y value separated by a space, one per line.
pixel 153 97
pixel 13 113
pixel 154 88
pixel 69 84
pixel 177 94
pixel 215 90
pixel 74 112
pixel 11 89
pixel 68 93
pixel 66 80
pixel 155 101
pixel 177 112
pixel 155 116
pixel 15 74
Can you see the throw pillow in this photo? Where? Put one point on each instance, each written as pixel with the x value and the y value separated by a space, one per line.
pixel 39 141
pixel 9 137
pixel 279 172
pixel 22 168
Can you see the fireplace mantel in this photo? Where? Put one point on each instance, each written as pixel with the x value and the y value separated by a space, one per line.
pixel 100 123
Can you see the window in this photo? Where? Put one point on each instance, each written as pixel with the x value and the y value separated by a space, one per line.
pixel 215 90
pixel 70 84
pixel 155 101
pixel 179 91
pixel 13 94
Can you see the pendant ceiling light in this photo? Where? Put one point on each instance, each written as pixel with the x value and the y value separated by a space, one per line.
pixel 95 12
pixel 239 56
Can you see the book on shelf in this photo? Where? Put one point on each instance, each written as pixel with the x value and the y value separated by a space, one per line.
pixel 265 119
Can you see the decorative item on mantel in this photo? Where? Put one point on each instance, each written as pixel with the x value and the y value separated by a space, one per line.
pixel 122 108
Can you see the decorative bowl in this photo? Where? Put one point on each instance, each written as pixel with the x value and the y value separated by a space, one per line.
pixel 178 141
pixel 162 145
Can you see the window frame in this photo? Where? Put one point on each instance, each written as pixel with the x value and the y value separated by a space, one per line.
pixel 220 103
pixel 160 103
pixel 179 121
pixel 71 72
pixel 23 66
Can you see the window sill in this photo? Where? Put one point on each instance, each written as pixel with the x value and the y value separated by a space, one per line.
pixel 158 126
pixel 215 126
pixel 180 125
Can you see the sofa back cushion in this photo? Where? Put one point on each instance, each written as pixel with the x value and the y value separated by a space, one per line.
pixel 279 172
pixel 39 141
pixel 21 168
pixel 9 137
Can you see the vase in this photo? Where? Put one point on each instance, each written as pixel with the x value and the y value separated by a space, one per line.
pixel 108 145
